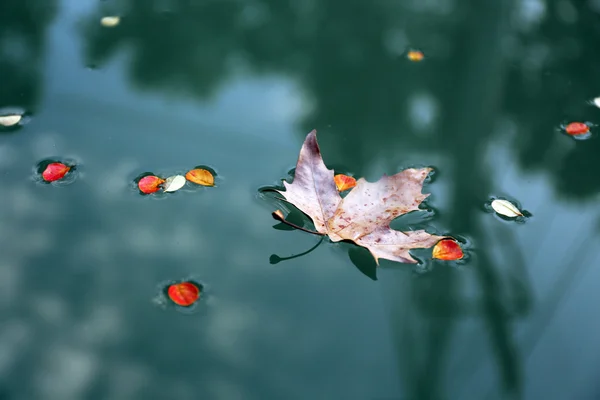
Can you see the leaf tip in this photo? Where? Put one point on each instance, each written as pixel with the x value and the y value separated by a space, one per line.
pixel 278 215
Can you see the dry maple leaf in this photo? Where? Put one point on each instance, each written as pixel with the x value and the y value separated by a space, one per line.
pixel 364 215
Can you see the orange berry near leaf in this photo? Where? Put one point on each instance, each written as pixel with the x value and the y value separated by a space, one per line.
pixel 55 171
pixel 447 250
pixel 184 294
pixel 415 55
pixel 150 184
pixel 577 128
pixel 344 182
pixel 200 176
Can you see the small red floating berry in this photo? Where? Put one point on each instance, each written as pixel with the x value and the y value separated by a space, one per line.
pixel 150 184
pixel 55 171
pixel 447 250
pixel 184 294
pixel 415 55
pixel 577 128
pixel 344 182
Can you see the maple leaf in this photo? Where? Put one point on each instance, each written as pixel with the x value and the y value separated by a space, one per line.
pixel 365 214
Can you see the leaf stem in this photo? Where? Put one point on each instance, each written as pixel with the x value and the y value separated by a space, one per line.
pixel 278 215
pixel 274 259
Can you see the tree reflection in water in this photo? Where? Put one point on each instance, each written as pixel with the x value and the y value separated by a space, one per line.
pixel 488 62
pixel 23 28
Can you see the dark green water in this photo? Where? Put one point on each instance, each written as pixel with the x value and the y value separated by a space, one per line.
pixel 237 85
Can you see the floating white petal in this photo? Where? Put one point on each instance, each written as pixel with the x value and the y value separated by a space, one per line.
pixel 597 102
pixel 506 208
pixel 10 120
pixel 174 183
pixel 109 22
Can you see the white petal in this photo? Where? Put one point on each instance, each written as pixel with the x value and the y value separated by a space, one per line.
pixel 506 208
pixel 10 120
pixel 109 22
pixel 597 102
pixel 174 183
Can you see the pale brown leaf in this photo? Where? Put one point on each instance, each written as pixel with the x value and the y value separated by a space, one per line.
pixel 364 215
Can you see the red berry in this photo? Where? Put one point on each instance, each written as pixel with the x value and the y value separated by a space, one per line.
pixel 577 128
pixel 150 184
pixel 447 249
pixel 344 182
pixel 415 55
pixel 55 171
pixel 184 294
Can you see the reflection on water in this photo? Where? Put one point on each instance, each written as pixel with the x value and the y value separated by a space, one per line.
pixel 236 86
pixel 23 28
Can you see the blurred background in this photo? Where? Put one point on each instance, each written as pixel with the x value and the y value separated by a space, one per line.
pixel 236 85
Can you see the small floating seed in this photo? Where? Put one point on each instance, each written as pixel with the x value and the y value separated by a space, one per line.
pixel 110 22
pixel 415 55
pixel 10 120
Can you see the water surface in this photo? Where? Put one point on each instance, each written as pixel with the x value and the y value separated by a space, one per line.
pixel 237 86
